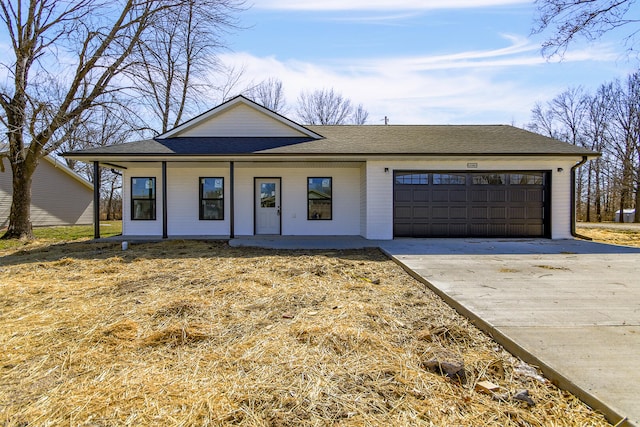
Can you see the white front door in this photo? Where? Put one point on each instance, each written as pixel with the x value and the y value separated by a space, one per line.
pixel 267 205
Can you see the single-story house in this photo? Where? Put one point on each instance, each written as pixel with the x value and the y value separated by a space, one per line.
pixel 241 169
pixel 59 196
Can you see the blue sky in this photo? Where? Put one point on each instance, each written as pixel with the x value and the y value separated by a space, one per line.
pixel 417 61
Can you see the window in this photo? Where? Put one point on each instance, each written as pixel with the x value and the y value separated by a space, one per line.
pixel 319 198
pixel 449 179
pixel 489 179
pixel 534 178
pixel 143 198
pixel 268 195
pixel 408 178
pixel 211 198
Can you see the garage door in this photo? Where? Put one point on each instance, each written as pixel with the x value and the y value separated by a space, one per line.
pixel 462 204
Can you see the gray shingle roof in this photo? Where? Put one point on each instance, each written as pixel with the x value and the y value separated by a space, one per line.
pixel 357 140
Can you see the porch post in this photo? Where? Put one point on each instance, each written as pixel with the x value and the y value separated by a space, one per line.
pixel 164 200
pixel 231 202
pixel 96 200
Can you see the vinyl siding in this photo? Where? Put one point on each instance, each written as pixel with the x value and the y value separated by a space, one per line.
pixel 241 121
pixel 56 197
pixel 345 200
pixel 183 198
pixel 141 227
pixel 380 188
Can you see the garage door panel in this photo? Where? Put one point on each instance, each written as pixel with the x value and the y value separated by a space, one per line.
pixel 498 212
pixel 473 205
pixel 479 212
pixel 458 212
pixel 420 195
pixel 421 212
pixel 497 196
pixel 479 196
pixel 458 195
pixel 535 195
pixel 440 196
pixel 535 213
pixel 402 195
pixel 440 212
pixel 403 212
pixel 517 213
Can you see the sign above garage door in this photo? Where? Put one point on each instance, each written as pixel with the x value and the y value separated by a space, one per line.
pixel 478 204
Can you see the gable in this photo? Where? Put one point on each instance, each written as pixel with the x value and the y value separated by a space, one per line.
pixel 239 117
pixel 240 121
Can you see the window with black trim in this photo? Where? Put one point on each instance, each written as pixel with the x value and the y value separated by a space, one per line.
pixel 449 179
pixel 527 178
pixel 143 198
pixel 211 198
pixel 319 198
pixel 489 178
pixel 412 178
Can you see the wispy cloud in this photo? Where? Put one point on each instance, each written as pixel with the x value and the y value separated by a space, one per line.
pixel 479 86
pixel 328 5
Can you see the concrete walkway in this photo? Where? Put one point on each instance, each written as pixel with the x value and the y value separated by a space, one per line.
pixel 570 307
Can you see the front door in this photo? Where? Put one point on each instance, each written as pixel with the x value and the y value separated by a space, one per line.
pixel 267 205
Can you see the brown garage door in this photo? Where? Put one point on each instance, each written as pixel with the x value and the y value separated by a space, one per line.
pixel 462 204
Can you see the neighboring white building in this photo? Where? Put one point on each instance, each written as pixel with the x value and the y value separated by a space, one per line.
pixel 627 215
pixel 59 196
pixel 241 169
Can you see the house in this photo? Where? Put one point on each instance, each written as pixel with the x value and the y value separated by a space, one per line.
pixel 59 196
pixel 241 169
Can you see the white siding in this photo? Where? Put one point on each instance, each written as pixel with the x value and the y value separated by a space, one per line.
pixel 346 197
pixel 183 198
pixel 380 188
pixel 362 195
pixel 56 197
pixel 240 121
pixel 141 227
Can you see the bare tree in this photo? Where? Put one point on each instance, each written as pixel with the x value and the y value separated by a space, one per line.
pixel 597 133
pixel 360 115
pixel 326 107
pixel 268 93
pixel 542 121
pixel 589 19
pixel 607 122
pixel 98 39
pixel 173 67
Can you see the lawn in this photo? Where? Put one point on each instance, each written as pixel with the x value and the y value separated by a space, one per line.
pixel 613 233
pixel 49 235
pixel 199 333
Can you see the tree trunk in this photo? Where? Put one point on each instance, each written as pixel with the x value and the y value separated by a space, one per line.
pixel 20 226
pixel 636 216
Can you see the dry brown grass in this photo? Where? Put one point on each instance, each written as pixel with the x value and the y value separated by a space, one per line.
pixel 614 235
pixel 197 333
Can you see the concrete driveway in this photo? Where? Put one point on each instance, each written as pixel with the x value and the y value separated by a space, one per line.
pixel 570 307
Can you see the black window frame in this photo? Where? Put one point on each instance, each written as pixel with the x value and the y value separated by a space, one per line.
pixel 412 178
pixel 311 217
pixel 446 178
pixel 202 199
pixel 135 199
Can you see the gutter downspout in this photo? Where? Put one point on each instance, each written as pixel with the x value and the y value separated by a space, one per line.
pixel 573 199
pixel 232 233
